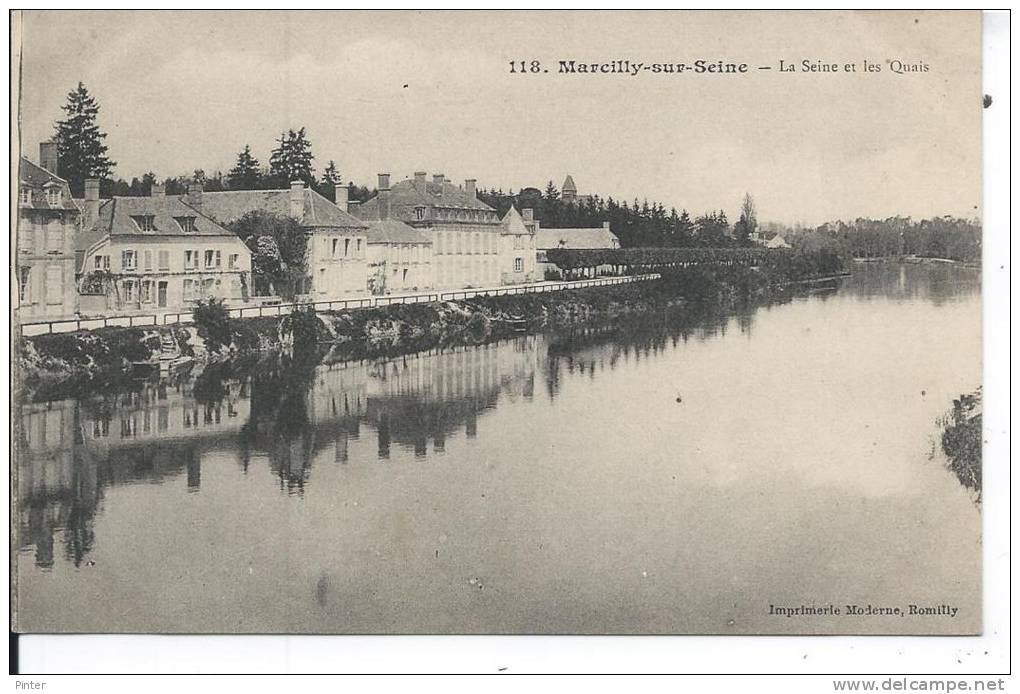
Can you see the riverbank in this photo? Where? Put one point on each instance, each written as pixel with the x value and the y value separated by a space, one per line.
pixel 961 440
pixel 72 364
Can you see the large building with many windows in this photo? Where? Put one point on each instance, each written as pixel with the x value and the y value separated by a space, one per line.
pixel 45 237
pixel 156 253
pixel 337 242
pixel 464 231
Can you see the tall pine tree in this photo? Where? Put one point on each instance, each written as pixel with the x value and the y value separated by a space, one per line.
pixel 81 152
pixel 291 160
pixel 245 174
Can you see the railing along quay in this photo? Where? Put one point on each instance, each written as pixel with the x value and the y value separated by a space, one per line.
pixel 69 325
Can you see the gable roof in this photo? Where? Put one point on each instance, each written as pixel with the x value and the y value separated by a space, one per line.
pixel 394 231
pixel 36 179
pixel 513 223
pixel 317 212
pixel 597 237
pixel 410 193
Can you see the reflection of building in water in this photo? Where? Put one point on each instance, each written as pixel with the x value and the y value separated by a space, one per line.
pixel 57 490
pixel 69 452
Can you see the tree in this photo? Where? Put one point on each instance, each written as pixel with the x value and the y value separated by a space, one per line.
pixel 330 180
pixel 291 160
pixel 81 153
pixel 747 225
pixel 245 174
pixel 279 247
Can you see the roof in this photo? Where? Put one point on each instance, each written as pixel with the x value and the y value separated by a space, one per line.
pixel 597 237
pixel 394 231
pixel 409 193
pixel 568 184
pixel 513 223
pixel 35 178
pixel 318 212
pixel 115 218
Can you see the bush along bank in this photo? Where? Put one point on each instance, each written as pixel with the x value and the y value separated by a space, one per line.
pixel 961 440
pixel 66 365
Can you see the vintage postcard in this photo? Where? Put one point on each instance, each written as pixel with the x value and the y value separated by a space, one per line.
pixel 431 322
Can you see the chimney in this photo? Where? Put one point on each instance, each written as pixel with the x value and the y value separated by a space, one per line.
pixel 297 199
pixel 528 214
pixel 605 225
pixel 384 196
pixel 157 190
pixel 48 156
pixel 92 199
pixel 340 196
pixel 438 179
pixel 469 187
pixel 194 198
pixel 419 177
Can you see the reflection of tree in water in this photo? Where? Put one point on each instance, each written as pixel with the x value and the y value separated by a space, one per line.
pixel 591 348
pixel 937 283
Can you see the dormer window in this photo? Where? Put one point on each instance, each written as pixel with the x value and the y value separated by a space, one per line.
pixel 187 224
pixel 144 222
pixel 26 196
pixel 53 196
pixel 419 212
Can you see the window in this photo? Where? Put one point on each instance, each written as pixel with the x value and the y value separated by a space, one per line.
pixel 129 290
pixel 54 236
pixel 190 289
pixel 335 244
pixel 164 260
pixel 208 286
pixel 146 292
pixel 53 195
pixel 144 222
pixel 347 247
pixel 190 260
pixel 439 243
pixel 212 259
pixel 518 264
pixel 147 260
pixel 26 239
pixel 128 260
pixel 478 242
pixel 233 261
pixel 102 262
pixel 54 284
pixel 419 212
pixel 187 224
pixel 358 246
pixel 24 283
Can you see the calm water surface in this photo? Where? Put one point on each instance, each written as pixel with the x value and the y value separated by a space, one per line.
pixel 551 483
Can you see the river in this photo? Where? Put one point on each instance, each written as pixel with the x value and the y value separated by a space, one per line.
pixel 680 476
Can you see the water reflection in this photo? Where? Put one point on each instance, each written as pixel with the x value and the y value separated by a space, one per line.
pixel 291 415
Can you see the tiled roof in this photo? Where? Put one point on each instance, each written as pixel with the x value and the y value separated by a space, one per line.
pixel 35 178
pixel 394 231
pixel 513 223
pixel 318 212
pixel 568 184
pixel 115 218
pixel 408 194
pixel 598 237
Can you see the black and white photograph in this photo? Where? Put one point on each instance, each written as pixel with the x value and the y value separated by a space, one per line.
pixel 519 323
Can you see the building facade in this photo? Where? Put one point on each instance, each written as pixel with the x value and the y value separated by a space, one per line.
pixel 597 238
pixel 399 258
pixel 156 253
pixel 337 259
pixel 517 247
pixel 45 236
pixel 464 231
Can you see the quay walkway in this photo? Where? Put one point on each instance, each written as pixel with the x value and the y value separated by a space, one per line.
pixel 66 325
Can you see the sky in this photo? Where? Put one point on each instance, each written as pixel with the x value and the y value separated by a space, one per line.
pixel 402 91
